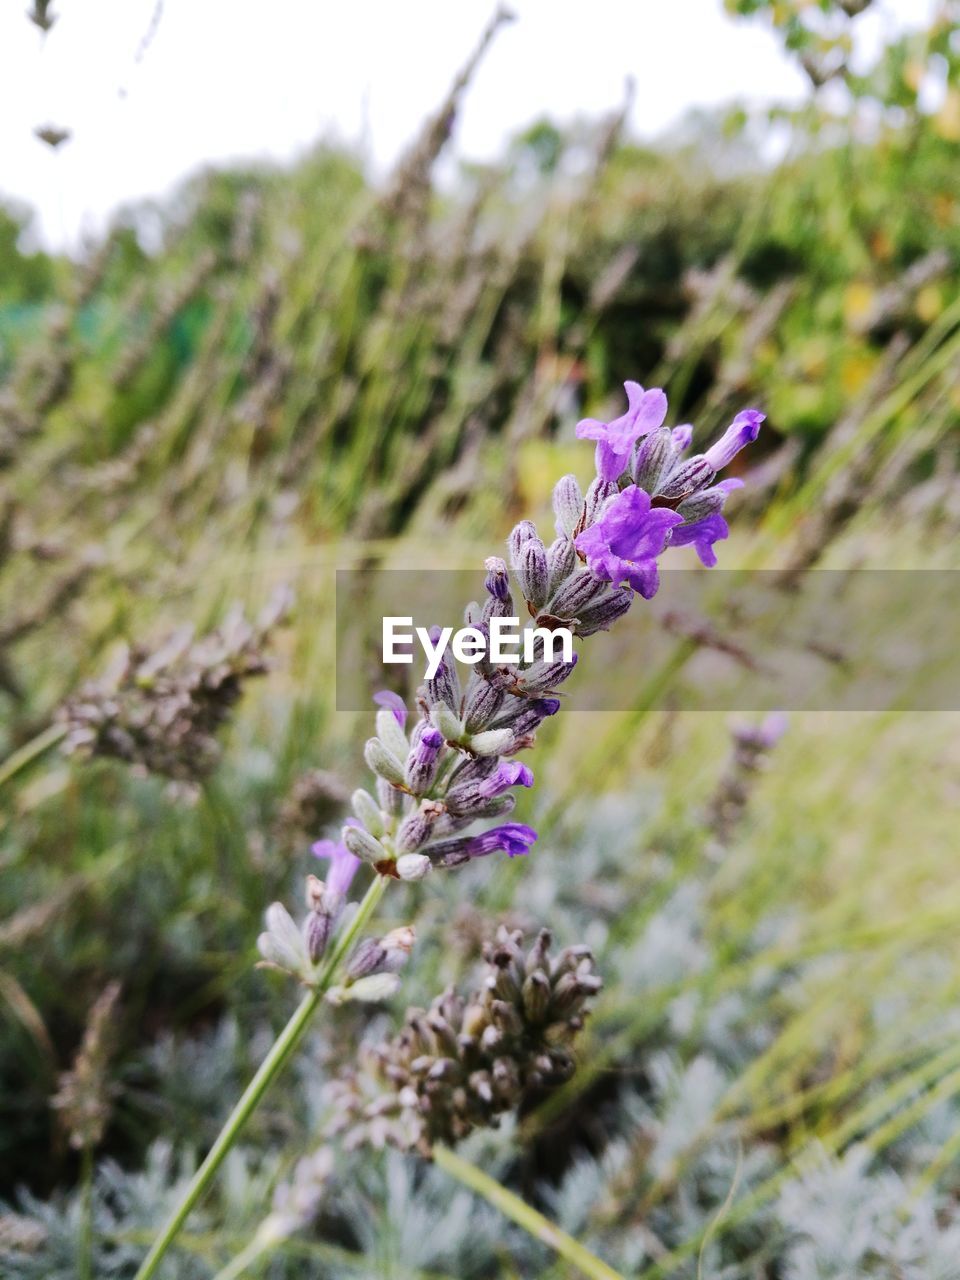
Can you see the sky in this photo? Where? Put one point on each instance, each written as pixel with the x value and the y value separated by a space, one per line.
pixel 227 80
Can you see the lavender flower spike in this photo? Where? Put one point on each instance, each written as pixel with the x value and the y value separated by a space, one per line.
pixel 615 440
pixel 623 545
pixel 392 702
pixel 742 431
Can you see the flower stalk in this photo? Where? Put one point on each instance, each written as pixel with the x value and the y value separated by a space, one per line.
pixel 269 1069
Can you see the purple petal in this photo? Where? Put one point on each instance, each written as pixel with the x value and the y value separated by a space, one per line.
pixel 343 863
pixel 702 535
pixel 393 702
pixel 742 431
pixel 681 437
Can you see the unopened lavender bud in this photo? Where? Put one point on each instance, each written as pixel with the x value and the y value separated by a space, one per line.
pixel 416 827
pixel 423 758
pixel 366 959
pixel 368 811
pixel 705 503
pixel 561 562
pixel 363 845
pixel 390 798
pixel 530 718
pixel 449 724
pixel 541 677
pixel 532 573
pixel 481 704
pixel 444 686
pixel 655 453
pixel 507 1018
pixel 519 534
pixel 576 593
pixel 597 495
pixel 390 733
pixel 605 612
pixel 568 506
pixel 696 473
pixel 381 955
pixel 536 995
pixel 317 929
pixel 383 762
pixel 413 866
pixel 282 944
pixel 492 742
pixel 497 581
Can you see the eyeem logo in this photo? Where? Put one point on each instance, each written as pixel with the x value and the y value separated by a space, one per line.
pixel 507 642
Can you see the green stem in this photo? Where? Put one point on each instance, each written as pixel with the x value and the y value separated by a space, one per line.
pixel 30 751
pixel 271 1067
pixel 523 1215
pixel 85 1246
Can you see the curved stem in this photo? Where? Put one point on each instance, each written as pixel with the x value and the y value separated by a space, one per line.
pixel 523 1215
pixel 30 751
pixel 269 1069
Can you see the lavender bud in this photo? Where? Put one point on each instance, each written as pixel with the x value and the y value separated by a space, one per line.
pixel 696 473
pixel 423 758
pixel 416 827
pixel 576 593
pixel 368 811
pixel 449 725
pixel 391 800
pixel 536 996
pixel 445 685
pixel 390 733
pixel 382 955
pixel 366 959
pixel 597 495
pixel 533 714
pixel 317 929
pixel 532 573
pixel 655 453
pixel 481 704
pixel 383 762
pixel 605 612
pixel 413 866
pixel 561 562
pixel 567 506
pixel 497 581
pixel 541 677
pixel 519 534
pixel 492 742
pixel 705 503
pixel 363 845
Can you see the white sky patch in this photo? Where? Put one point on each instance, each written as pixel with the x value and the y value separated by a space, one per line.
pixel 228 80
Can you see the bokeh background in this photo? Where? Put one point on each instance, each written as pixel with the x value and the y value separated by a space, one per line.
pixel 362 337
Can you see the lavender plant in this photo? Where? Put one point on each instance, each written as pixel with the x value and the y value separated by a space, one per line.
pixel 455 767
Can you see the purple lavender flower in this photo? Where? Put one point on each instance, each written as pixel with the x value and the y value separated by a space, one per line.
pixel 514 838
pixel 681 437
pixel 615 440
pixel 623 545
pixel 704 525
pixel 701 535
pixel 742 431
pixel 393 702
pixel 511 773
pixel 343 863
pixel 421 766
